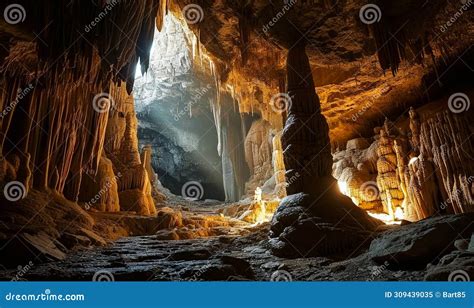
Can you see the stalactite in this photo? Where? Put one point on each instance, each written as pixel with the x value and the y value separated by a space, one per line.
pixel 244 30
pixel 162 11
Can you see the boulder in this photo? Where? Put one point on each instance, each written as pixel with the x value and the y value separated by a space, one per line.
pixel 417 244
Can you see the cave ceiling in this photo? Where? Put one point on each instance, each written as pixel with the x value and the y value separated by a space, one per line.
pixel 352 61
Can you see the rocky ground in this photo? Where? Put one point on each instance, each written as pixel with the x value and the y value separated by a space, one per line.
pixel 200 244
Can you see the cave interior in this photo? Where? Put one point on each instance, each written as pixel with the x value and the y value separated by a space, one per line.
pixel 227 140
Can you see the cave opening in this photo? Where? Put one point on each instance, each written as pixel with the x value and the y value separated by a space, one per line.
pixel 173 102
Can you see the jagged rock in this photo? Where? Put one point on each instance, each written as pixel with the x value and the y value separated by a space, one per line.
pixel 169 219
pixel 225 268
pixel 95 238
pixel 456 266
pixel 417 244
pixel 99 191
pixel 241 266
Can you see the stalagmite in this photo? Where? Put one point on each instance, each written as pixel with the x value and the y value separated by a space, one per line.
pixel 258 154
pixel 387 179
pixel 278 166
pixel 134 185
pixel 314 215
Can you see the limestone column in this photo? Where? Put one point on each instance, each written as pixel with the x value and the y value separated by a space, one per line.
pixel 305 138
pixel 315 218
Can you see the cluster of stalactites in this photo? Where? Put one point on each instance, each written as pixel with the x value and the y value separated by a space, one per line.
pixel 120 31
pixel 50 130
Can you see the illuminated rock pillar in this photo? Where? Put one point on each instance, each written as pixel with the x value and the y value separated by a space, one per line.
pixel 315 218
pixel 305 138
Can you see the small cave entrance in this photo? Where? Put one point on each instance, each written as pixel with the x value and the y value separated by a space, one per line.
pixel 174 111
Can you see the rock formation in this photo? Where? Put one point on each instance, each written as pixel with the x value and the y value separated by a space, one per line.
pixel 258 154
pixel 387 179
pixel 278 167
pixel 313 206
pixel 219 107
pixel 416 176
pixel 121 146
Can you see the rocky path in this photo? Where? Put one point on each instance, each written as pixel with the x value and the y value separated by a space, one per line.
pixel 230 250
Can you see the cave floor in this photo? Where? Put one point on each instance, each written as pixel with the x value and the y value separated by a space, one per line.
pixel 230 251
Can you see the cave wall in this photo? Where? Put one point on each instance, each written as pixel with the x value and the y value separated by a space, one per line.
pixel 72 140
pixel 58 103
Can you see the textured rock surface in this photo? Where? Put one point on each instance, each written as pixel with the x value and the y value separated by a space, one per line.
pixel 313 206
pixel 423 172
pixel 416 245
pixel 456 266
pixel 133 182
pixel 258 154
